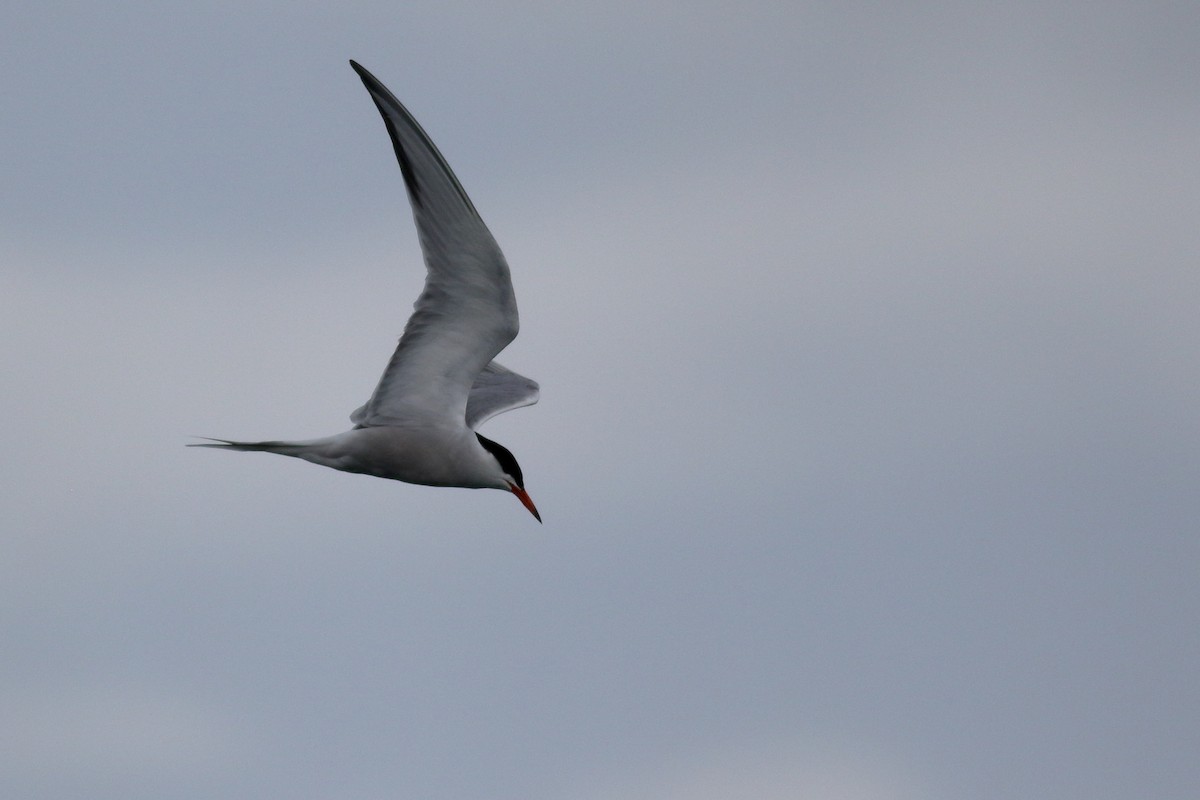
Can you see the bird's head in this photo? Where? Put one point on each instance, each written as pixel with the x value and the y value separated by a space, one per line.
pixel 511 472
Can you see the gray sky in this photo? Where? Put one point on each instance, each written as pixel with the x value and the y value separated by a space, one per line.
pixel 868 448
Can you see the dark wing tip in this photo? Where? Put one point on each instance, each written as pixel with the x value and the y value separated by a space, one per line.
pixel 395 117
pixel 384 100
pixel 372 83
pixel 364 73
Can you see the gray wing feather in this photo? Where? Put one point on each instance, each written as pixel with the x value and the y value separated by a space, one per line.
pixel 497 390
pixel 467 312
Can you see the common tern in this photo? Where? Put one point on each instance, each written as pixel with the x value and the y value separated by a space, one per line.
pixel 441 383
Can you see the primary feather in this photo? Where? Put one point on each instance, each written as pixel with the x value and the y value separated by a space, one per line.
pixel 467 312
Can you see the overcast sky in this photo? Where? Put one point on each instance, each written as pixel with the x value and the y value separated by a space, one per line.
pixel 868 449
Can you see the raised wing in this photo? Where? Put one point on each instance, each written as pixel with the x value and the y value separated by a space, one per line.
pixel 467 312
pixel 497 390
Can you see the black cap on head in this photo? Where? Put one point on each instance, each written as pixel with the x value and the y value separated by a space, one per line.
pixel 507 462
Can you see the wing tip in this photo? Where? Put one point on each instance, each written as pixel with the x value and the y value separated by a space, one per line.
pixel 373 84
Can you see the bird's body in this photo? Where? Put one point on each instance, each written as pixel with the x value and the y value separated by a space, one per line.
pixel 426 455
pixel 441 383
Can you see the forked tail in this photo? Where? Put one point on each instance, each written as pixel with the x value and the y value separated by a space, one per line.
pixel 283 448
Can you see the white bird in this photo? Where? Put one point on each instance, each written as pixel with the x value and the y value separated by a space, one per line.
pixel 441 383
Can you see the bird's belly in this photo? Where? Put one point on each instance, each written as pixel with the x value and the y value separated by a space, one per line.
pixel 423 456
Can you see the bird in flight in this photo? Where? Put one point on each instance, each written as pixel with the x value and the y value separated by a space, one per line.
pixel 441 384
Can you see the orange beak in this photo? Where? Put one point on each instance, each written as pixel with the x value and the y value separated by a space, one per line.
pixel 523 496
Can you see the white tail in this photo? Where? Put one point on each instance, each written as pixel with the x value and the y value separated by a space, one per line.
pixel 283 448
